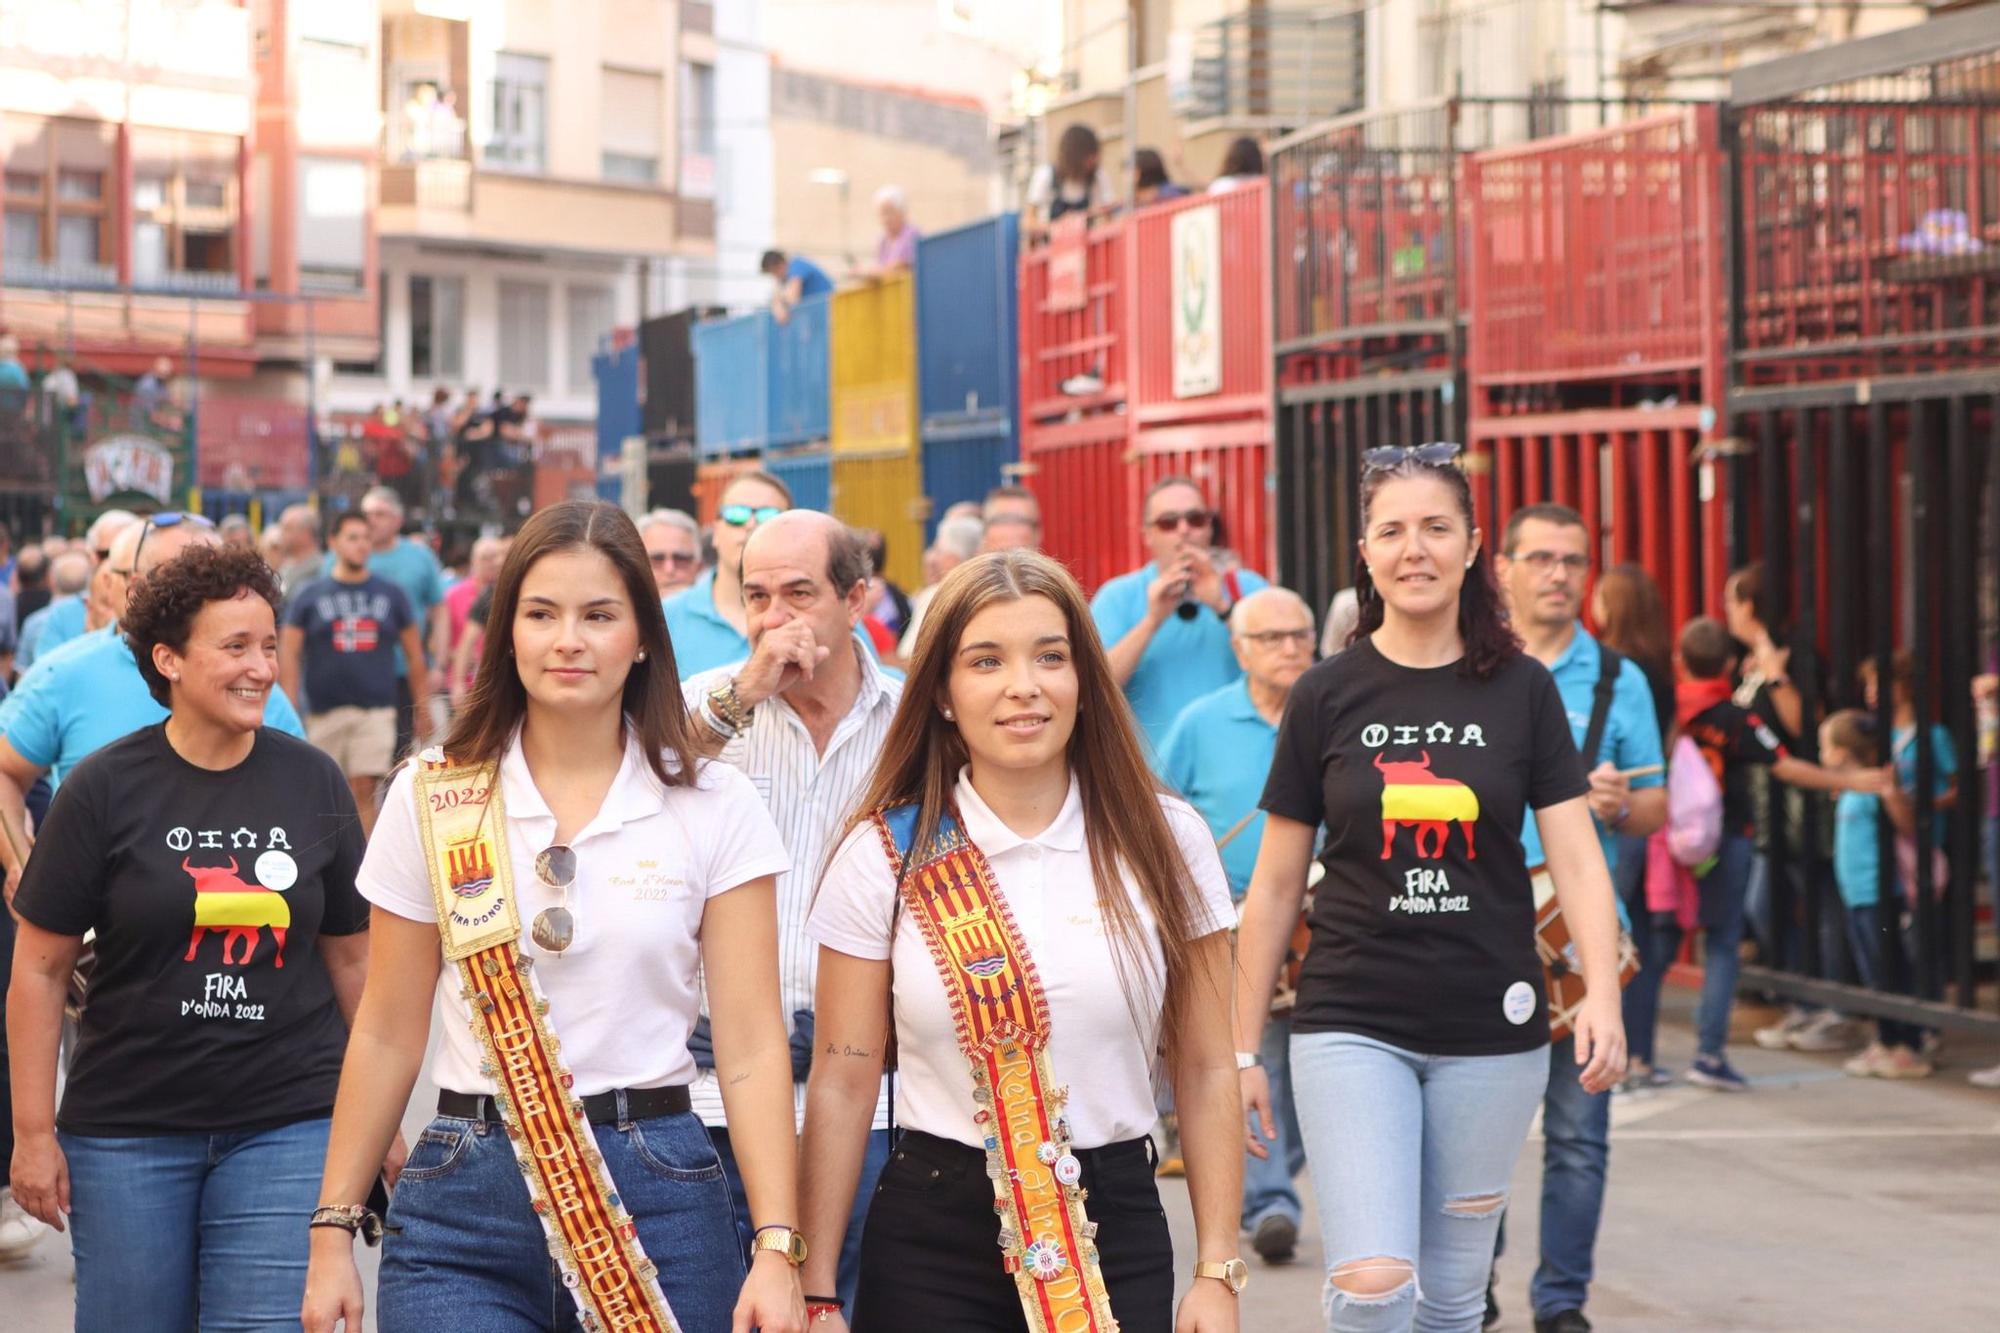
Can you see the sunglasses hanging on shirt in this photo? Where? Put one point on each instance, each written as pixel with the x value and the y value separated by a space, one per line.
pixel 554 928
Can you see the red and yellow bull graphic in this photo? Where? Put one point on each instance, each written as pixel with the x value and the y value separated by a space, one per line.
pixel 237 910
pixel 1413 797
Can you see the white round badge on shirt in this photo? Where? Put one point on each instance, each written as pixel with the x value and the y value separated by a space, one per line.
pixel 277 870
pixel 1518 1003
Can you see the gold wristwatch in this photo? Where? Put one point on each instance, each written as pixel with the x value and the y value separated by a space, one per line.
pixel 728 708
pixel 1235 1274
pixel 781 1240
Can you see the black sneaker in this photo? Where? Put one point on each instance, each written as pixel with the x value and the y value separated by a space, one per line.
pixel 1492 1316
pixel 1276 1239
pixel 1563 1321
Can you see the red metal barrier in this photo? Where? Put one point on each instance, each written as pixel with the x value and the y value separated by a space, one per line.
pixel 251 444
pixel 1223 369
pixel 1087 489
pixel 1231 462
pixel 1636 479
pixel 1599 256
pixel 1073 309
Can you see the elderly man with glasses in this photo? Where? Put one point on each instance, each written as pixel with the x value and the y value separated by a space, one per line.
pixel 1164 622
pixel 673 546
pixel 70 620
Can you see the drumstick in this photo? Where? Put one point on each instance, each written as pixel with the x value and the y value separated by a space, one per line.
pixel 1235 829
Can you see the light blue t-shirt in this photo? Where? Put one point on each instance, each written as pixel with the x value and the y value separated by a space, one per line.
pixel 1857 848
pixel 88 694
pixel 31 632
pixel 1218 754
pixel 409 565
pixel 703 640
pixel 1631 730
pixel 812 278
pixel 1185 660
pixel 1944 768
pixel 62 622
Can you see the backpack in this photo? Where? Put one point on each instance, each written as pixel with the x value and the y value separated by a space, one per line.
pixel 1694 805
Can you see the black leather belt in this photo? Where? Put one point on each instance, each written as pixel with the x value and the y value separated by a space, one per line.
pixel 601 1108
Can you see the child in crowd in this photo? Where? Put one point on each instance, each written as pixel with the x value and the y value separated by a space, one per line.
pixel 1850 741
pixel 1733 740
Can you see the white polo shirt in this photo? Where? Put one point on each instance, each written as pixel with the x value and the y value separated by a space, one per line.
pixel 1098 1046
pixel 811 796
pixel 624 996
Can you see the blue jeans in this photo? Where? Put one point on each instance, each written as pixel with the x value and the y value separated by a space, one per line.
pixel 471 1255
pixel 1411 1155
pixel 1722 897
pixel 1882 970
pixel 1658 939
pixel 877 1157
pixel 183 1230
pixel 1267 1183
pixel 1576 1132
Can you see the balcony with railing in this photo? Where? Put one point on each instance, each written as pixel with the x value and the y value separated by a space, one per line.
pixel 1270 68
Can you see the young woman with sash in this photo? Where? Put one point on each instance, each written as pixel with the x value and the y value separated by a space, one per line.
pixel 558 872
pixel 1420 1036
pixel 1039 918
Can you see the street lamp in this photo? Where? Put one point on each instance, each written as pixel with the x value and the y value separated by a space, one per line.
pixel 838 179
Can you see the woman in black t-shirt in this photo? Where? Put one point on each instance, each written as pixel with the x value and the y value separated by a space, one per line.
pixel 215 860
pixel 1420 1036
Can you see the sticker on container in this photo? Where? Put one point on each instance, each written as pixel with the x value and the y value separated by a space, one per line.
pixel 1518 1003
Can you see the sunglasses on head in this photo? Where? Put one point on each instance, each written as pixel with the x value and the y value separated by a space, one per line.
pixel 1196 520
pixel 739 516
pixel 172 518
pixel 1436 454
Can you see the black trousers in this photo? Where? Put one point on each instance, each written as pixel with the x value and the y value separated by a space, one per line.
pixel 930 1256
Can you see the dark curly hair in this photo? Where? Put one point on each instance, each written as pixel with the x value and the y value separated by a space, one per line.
pixel 165 602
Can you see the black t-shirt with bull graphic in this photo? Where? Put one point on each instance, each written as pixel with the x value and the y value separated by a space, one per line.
pixel 1423 931
pixel 210 1010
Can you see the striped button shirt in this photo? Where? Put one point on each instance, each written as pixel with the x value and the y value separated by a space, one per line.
pixel 811 796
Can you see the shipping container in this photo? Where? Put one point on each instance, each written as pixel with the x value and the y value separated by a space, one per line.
pixel 799 370
pixel 1073 312
pixel 711 479
pixel 1867 205
pixel 965 467
pixel 874 368
pixel 1086 485
pixel 1597 257
pixel 967 353
pixel 732 371
pixel 886 493
pixel 666 343
pixel 1200 308
pixel 617 369
pixel 805 472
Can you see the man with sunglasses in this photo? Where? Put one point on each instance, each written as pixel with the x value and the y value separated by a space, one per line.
pixel 68 620
pixel 1544 569
pixel 706 619
pixel 1164 622
pixel 673 546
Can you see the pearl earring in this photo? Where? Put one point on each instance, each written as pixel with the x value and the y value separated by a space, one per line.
pixel 948 715
pixel 641 657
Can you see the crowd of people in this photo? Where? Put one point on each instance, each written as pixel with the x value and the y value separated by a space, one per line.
pixel 791 948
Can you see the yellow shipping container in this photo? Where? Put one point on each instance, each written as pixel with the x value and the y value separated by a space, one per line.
pixel 874 368
pixel 887 494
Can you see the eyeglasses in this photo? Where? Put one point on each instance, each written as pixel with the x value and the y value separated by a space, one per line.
pixel 739 516
pixel 1435 454
pixel 172 518
pixel 682 558
pixel 1543 562
pixel 554 928
pixel 1279 638
pixel 1196 520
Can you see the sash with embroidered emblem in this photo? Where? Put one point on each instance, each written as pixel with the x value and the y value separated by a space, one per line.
pixel 590 1235
pixel 1001 1012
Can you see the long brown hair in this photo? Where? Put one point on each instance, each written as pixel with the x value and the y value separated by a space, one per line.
pixel 654 709
pixel 1635 619
pixel 1126 829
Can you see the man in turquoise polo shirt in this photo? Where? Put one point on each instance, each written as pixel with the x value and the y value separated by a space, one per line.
pixel 1544 567
pixel 1217 754
pixel 706 622
pixel 66 620
pixel 1164 623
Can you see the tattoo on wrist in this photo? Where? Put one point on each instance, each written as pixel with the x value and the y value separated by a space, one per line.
pixel 844 1049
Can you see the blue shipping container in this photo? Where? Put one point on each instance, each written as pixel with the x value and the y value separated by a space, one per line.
pixel 967 365
pixel 732 372
pixel 617 372
pixel 799 374
pixel 808 475
pixel 964 467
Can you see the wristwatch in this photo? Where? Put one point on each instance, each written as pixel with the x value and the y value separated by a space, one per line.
pixel 781 1240
pixel 1234 1274
pixel 1248 1060
pixel 729 709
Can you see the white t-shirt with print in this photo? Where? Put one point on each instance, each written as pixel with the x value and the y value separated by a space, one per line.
pixel 1097 1045
pixel 624 996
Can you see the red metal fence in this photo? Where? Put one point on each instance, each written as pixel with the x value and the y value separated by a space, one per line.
pixel 1073 311
pixel 1241 286
pixel 1090 519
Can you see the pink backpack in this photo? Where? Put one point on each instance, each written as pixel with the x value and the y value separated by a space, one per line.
pixel 1694 806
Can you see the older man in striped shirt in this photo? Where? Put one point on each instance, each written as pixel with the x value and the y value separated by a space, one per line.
pixel 805 717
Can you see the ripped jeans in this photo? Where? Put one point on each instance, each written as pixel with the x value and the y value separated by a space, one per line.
pixel 1411 1157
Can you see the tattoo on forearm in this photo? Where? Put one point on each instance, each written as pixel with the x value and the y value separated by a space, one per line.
pixel 843 1049
pixel 737 1078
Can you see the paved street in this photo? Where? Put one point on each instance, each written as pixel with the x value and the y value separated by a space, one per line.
pixel 1814 1203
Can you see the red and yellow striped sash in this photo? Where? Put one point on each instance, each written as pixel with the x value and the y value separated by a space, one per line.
pixel 591 1236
